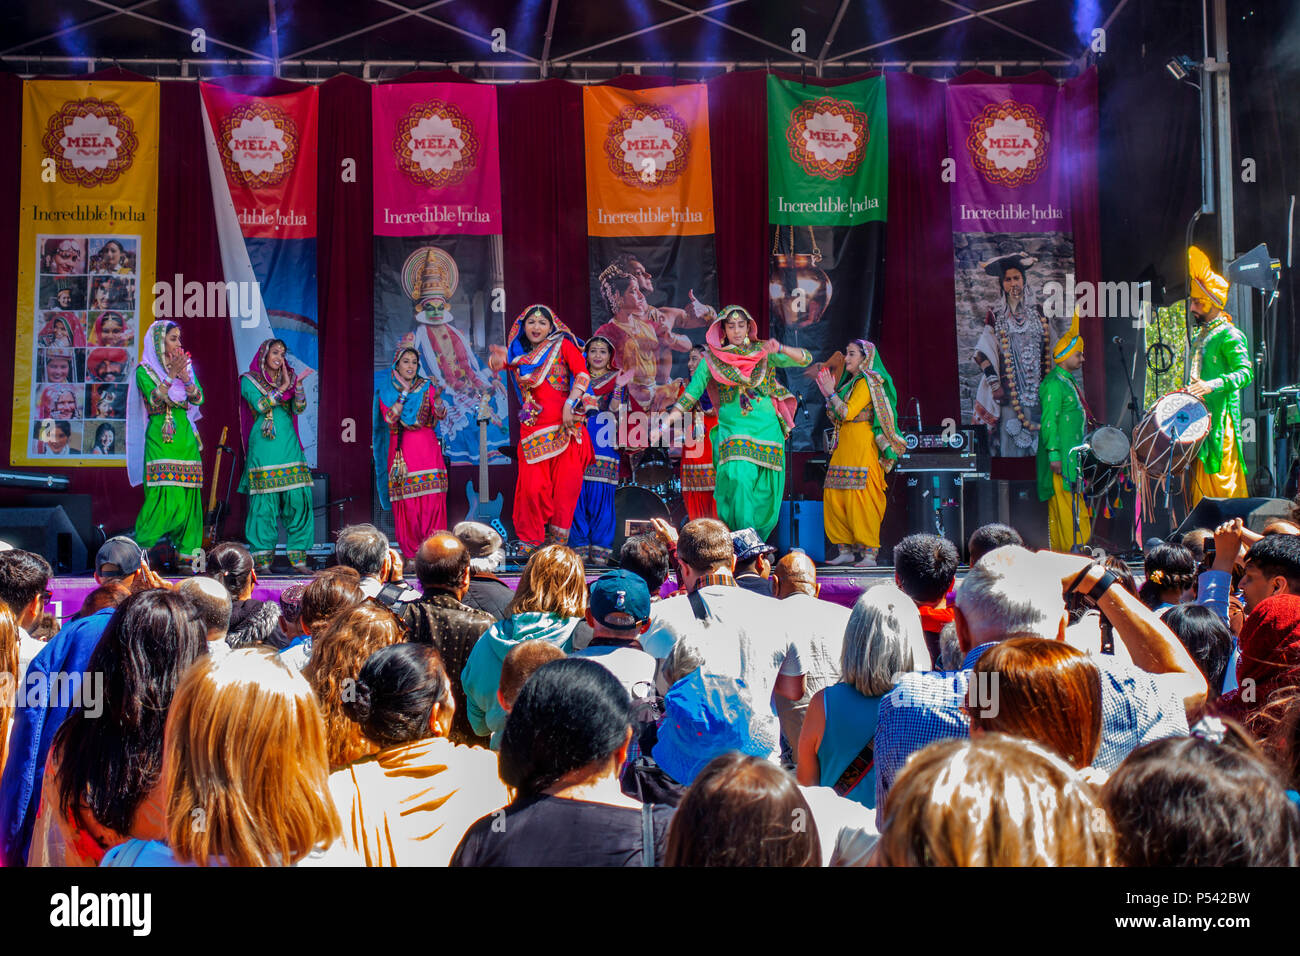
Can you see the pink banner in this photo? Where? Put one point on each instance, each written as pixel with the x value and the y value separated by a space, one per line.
pixel 437 170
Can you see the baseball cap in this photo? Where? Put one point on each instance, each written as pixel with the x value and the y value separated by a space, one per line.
pixel 748 545
pixel 620 600
pixel 120 551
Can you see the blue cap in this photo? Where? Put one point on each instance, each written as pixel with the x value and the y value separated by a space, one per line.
pixel 705 715
pixel 620 600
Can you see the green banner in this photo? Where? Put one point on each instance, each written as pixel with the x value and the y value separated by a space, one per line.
pixel 827 153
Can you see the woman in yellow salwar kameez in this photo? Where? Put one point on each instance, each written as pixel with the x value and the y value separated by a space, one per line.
pixel 863 408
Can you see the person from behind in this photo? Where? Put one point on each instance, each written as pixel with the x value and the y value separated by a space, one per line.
pixel 487 592
pixel 1207 638
pixel 365 549
pixel 619 613
pixel 9 674
pixel 925 567
pixel 1170 572
pixel 103 779
pixel 753 564
pixel 338 655
pixel 24 577
pixel 409 803
pixel 245 755
pixel 882 639
pixel 561 751
pixel 106 595
pixel 212 607
pixel 739 812
pixel 121 560
pixel 1269 665
pixel 251 621
pixel 992 800
pixel 519 664
pixel 990 537
pixel 646 556
pixel 1198 802
pixel 1271 566
pixel 440 619
pixel 1044 691
pixel 290 601
pixel 324 597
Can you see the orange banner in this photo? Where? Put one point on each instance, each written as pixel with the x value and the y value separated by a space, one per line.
pixel 648 168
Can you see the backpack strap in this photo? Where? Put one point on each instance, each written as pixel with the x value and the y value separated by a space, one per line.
pixel 647 835
pixel 698 607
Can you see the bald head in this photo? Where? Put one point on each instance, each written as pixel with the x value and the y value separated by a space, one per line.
pixel 1281 526
pixel 795 574
pixel 211 600
pixel 442 564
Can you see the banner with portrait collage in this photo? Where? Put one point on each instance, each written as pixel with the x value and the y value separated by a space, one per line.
pixel 1011 236
pixel 828 190
pixel 652 263
pixel 87 229
pixel 439 271
pixel 262 164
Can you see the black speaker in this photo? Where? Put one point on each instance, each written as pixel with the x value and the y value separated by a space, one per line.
pixel 77 508
pixel 320 496
pixel 1256 512
pixel 47 532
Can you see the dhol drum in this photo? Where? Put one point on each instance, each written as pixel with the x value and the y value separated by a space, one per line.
pixel 1167 439
pixel 633 508
pixel 1104 461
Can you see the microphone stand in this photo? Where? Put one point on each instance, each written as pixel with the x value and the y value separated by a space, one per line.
pixel 1133 406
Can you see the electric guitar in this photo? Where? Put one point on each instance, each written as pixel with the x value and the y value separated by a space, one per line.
pixel 215 514
pixel 480 508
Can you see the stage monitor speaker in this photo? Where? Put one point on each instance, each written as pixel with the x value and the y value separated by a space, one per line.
pixel 79 511
pixel 802 524
pixel 47 532
pixel 320 496
pixel 1256 512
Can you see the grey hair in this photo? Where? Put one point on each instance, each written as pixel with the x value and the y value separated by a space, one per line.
pixel 1008 594
pixel 878 640
pixel 684 659
pixel 489 564
pixel 363 548
pixel 950 653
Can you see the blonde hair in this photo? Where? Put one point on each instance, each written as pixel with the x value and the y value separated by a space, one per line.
pixel 992 801
pixel 8 675
pixel 244 764
pixel 553 581
pixel 337 657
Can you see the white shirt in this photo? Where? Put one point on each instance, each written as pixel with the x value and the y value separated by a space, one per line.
pixel 748 636
pixel 635 669
pixel 28 648
pixel 823 625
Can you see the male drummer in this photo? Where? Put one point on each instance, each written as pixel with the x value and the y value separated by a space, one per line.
pixel 1062 428
pixel 1220 370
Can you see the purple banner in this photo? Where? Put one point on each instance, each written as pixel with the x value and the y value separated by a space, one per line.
pixel 1012 173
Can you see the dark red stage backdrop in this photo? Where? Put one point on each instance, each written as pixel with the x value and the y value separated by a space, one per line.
pixel 544 195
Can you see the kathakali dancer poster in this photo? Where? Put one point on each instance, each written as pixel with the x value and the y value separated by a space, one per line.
pixel 828 189
pixel 439 272
pixel 87 228
pixel 653 270
pixel 262 161
pixel 1011 237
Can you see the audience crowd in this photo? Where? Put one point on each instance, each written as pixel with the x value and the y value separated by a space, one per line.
pixel 704 704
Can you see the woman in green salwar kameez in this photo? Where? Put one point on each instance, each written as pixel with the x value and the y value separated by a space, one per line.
pixel 277 478
pixel 163 447
pixel 755 416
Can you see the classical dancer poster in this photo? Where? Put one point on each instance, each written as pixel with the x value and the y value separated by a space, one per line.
pixel 262 163
pixel 87 229
pixel 828 188
pixel 1012 236
pixel 653 271
pixel 439 278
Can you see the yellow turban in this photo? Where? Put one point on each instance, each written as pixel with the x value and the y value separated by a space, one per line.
pixel 1206 283
pixel 1070 343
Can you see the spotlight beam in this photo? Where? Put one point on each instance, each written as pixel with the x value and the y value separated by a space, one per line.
pixel 455 29
pixel 929 29
pixel 296 54
pixel 73 29
pixel 727 26
pixel 1002 26
pixel 691 14
pixel 130 12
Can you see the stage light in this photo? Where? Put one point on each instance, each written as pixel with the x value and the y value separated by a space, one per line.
pixel 1180 67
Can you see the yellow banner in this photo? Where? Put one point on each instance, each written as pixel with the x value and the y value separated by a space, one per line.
pixel 87 230
pixel 648 169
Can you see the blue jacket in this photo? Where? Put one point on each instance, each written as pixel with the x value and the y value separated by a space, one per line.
pixel 36 719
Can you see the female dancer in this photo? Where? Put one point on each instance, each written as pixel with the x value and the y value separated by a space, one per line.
pixel 862 406
pixel 162 445
pixel 755 415
pixel 276 478
pixel 698 477
pixel 550 380
pixel 409 463
pixel 593 520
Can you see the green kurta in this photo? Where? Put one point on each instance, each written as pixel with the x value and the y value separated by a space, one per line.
pixel 1060 430
pixel 277 478
pixel 1221 358
pixel 748 447
pixel 173 471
